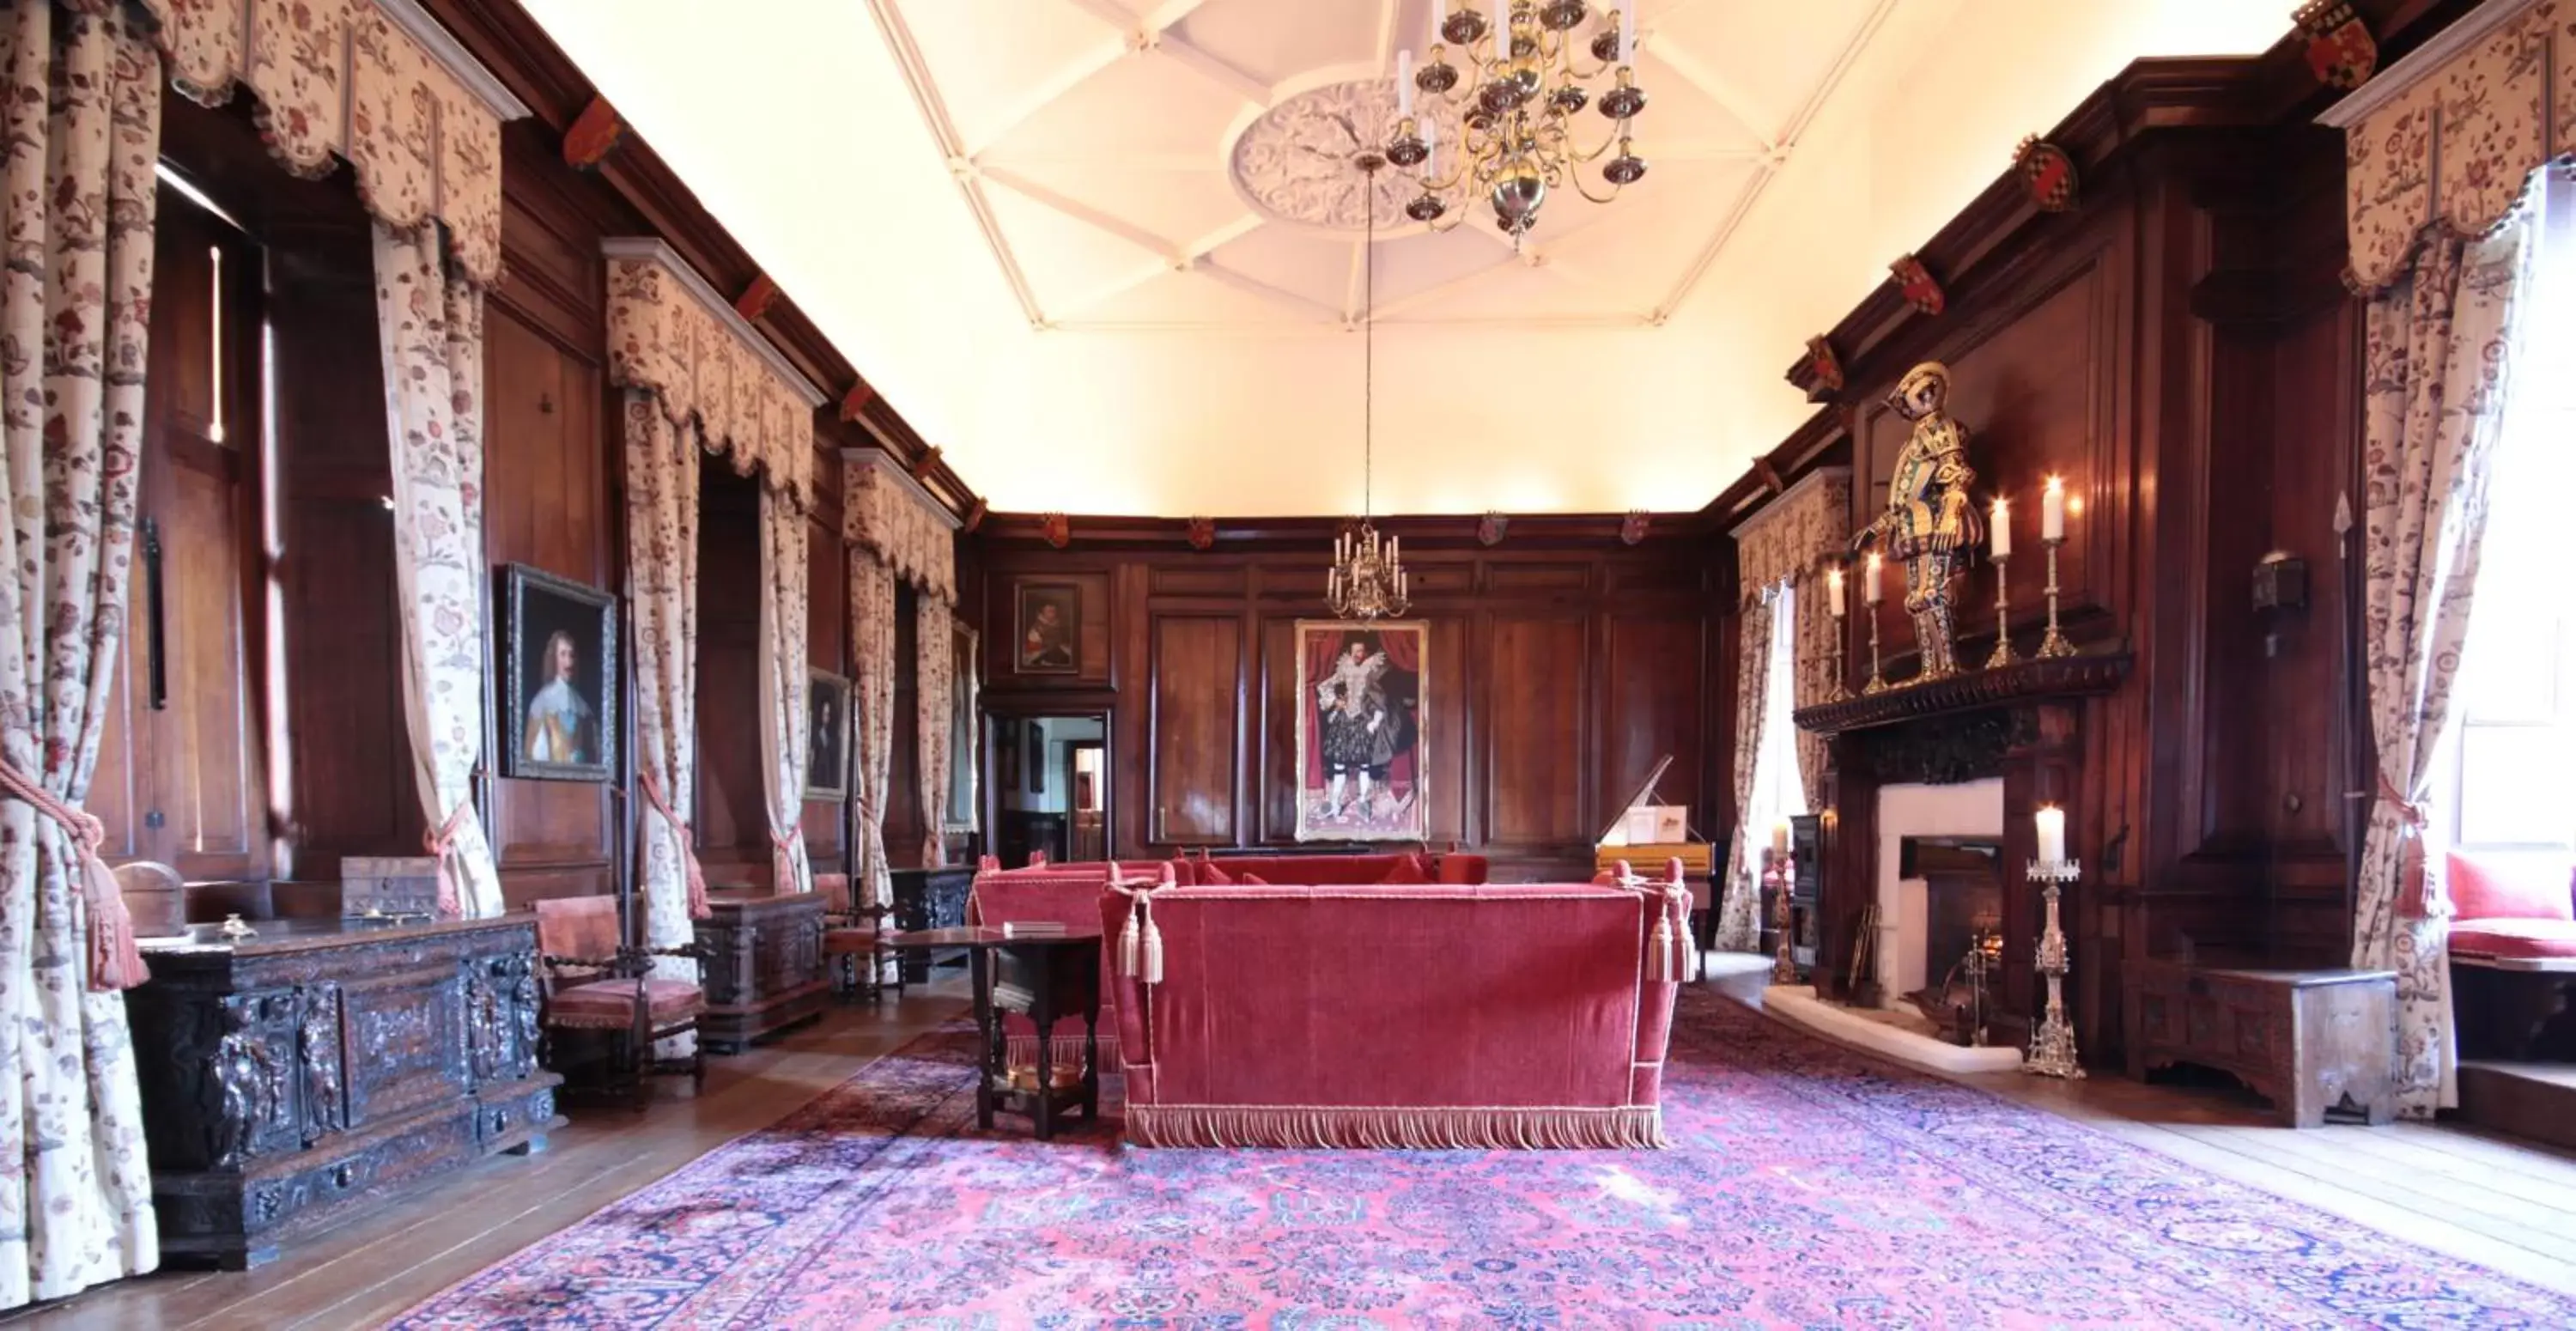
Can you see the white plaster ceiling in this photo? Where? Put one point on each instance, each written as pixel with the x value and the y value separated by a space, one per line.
pixel 1018 218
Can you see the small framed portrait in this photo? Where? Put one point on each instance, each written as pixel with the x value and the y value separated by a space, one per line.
pixel 558 678
pixel 1048 635
pixel 827 736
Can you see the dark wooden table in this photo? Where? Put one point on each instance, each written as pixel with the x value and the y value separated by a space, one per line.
pixel 1047 978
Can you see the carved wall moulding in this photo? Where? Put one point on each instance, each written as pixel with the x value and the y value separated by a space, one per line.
pixel 1058 529
pixel 1819 373
pixel 755 300
pixel 1632 528
pixel 1491 528
pixel 2341 51
pixel 2062 676
pixel 593 135
pixel 1202 533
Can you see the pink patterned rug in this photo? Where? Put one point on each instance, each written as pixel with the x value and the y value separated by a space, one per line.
pixel 1807 1187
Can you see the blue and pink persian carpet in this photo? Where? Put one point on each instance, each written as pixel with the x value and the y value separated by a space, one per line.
pixel 1806 1187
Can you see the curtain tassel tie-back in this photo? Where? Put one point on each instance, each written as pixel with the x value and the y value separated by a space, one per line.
pixel 697 875
pixel 115 962
pixel 451 875
pixel 782 864
pixel 2415 888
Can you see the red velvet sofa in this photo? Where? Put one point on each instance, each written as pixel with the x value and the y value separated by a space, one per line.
pixel 1416 1017
pixel 1403 868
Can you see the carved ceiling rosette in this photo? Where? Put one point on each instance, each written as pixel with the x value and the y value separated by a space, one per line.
pixel 1296 161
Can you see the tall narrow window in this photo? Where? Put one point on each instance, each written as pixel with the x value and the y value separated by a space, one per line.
pixel 2516 742
pixel 215 343
pixel 1777 791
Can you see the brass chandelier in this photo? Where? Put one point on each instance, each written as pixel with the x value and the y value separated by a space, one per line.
pixel 1516 101
pixel 1367 579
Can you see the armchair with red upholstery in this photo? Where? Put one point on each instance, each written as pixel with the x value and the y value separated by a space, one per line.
pixel 595 985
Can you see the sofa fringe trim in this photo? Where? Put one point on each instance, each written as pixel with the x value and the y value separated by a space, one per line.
pixel 1510 1129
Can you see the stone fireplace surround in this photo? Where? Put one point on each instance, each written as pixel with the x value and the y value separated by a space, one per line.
pixel 1968 809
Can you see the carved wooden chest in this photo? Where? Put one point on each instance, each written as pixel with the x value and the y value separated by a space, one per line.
pixel 2309 1041
pixel 929 899
pixel 765 973
pixel 294 1076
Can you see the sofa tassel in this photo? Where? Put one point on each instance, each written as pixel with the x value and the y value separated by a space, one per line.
pixel 1127 945
pixel 1659 952
pixel 1150 945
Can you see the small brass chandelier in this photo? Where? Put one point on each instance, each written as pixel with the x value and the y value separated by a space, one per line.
pixel 1366 580
pixel 1519 95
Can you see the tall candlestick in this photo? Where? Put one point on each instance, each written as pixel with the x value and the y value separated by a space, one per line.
pixel 1404 85
pixel 2051 822
pixel 2003 653
pixel 1834 591
pixel 2052 1042
pixel 1999 530
pixel 1869 594
pixel 2052 511
pixel 1869 590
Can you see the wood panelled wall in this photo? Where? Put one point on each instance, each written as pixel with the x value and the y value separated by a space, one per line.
pixel 553 499
pixel 2179 348
pixel 1562 665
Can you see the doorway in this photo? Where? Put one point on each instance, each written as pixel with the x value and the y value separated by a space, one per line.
pixel 1050 783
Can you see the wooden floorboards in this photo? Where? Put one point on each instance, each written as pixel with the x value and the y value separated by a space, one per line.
pixel 389 1259
pixel 2479 1198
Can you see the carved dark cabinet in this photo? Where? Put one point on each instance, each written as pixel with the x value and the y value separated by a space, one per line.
pixel 765 971
pixel 323 1064
pixel 928 899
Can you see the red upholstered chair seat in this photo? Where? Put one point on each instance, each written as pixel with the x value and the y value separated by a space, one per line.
pixel 2515 940
pixel 847 940
pixel 610 1004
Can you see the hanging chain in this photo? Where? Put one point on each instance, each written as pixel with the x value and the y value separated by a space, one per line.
pixel 1368 354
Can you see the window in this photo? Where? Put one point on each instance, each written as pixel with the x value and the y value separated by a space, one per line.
pixel 2515 745
pixel 1777 791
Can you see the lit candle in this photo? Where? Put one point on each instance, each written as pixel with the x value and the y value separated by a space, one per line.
pixel 1393 544
pixel 1404 84
pixel 1869 589
pixel 1834 591
pixel 2052 834
pixel 1999 531
pixel 1780 838
pixel 2052 511
pixel 1628 32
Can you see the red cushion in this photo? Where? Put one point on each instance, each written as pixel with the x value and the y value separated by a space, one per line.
pixel 611 1003
pixel 1212 876
pixel 2511 887
pixel 1405 872
pixel 2515 938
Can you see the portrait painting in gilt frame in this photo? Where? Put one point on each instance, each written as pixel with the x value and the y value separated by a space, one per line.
pixel 558 678
pixel 1047 636
pixel 827 736
pixel 1363 693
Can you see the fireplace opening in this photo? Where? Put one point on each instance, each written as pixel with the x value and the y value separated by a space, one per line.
pixel 1963 898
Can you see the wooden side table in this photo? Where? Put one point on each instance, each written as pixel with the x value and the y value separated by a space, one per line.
pixel 1047 978
pixel 2307 1040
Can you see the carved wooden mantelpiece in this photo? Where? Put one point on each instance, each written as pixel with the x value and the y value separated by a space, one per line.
pixel 764 972
pixel 294 1076
pixel 1970 691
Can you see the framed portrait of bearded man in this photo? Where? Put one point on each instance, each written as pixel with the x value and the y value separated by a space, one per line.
pixel 1363 693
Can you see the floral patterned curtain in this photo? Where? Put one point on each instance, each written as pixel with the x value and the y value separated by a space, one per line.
pixel 343 78
pixel 429 327
pixel 662 596
pixel 872 631
pixel 83 129
pixel 783 682
pixel 2438 145
pixel 1792 540
pixel 1739 899
pixel 936 678
pixel 2437 363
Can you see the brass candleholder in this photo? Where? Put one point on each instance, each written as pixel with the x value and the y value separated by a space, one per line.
pixel 2052 1045
pixel 1784 964
pixel 2003 653
pixel 2054 643
pixel 1842 646
pixel 1877 677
